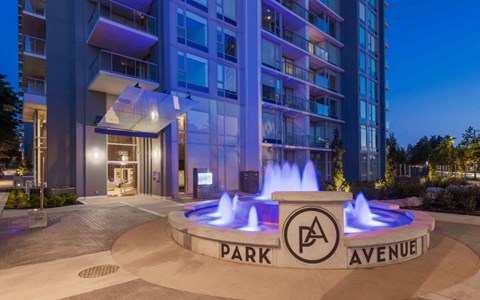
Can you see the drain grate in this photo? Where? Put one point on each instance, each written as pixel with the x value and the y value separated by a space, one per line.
pixel 98 271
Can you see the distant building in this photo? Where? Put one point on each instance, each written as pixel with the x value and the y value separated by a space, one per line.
pixel 272 80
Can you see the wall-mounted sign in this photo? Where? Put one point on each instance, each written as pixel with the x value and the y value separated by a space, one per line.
pixel 156 176
pixel 205 178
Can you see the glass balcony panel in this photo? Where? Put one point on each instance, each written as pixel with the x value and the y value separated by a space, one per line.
pixel 123 15
pixel 34 45
pixel 123 65
pixel 36 86
pixel 35 6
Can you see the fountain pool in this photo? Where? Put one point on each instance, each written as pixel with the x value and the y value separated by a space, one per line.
pixel 292 224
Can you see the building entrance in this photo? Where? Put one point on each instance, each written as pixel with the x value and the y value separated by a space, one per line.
pixel 122 166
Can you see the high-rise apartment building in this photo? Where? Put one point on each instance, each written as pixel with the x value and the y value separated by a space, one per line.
pixel 270 80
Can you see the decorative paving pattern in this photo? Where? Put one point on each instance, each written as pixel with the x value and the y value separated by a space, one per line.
pixel 69 234
pixel 98 271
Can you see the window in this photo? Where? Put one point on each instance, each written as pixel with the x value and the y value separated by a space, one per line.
pixel 372 113
pixel 363 135
pixel 271 88
pixel 192 30
pixel 363 166
pixel 371 20
pixel 362 61
pixel 372 67
pixel 363 110
pixel 227 82
pixel 226 44
pixel 192 72
pixel 372 90
pixel 372 4
pixel 227 11
pixel 373 139
pixel 361 11
pixel 362 38
pixel 371 42
pixel 363 87
pixel 374 172
pixel 200 4
pixel 271 20
pixel 333 108
pixel 271 55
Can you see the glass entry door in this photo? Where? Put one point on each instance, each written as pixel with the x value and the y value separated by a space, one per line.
pixel 122 173
pixel 122 179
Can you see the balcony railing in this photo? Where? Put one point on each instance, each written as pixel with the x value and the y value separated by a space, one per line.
pixel 300 140
pixel 123 65
pixel 298 104
pixel 36 86
pixel 34 45
pixel 35 6
pixel 319 142
pixel 123 15
pixel 304 74
pixel 305 14
pixel 301 42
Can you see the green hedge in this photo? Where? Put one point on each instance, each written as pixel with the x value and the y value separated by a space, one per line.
pixel 18 199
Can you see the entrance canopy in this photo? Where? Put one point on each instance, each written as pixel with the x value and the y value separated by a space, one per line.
pixel 143 111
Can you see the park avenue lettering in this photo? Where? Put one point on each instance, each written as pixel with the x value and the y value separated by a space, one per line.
pixel 380 254
pixel 257 255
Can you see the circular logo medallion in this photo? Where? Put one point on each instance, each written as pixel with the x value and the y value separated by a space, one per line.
pixel 311 234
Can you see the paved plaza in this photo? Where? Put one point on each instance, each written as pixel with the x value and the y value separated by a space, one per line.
pixel 128 237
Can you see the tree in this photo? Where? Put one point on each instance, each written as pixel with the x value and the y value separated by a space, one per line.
pixel 10 110
pixel 443 154
pixel 337 154
pixel 392 157
pixel 470 148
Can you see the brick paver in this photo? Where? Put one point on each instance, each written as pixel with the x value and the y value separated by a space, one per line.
pixel 139 289
pixel 69 234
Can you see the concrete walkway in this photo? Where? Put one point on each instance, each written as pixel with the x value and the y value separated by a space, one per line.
pixel 48 260
pixel 3 201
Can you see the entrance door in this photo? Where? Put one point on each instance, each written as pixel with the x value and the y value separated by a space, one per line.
pixel 122 167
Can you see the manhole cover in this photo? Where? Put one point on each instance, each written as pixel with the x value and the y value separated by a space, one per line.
pixel 98 271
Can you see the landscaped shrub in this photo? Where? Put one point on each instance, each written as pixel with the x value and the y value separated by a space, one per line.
pixel 35 200
pixel 11 200
pixel 406 187
pixel 444 199
pixel 54 201
pixel 18 199
pixel 70 199
pixel 22 200
pixel 370 189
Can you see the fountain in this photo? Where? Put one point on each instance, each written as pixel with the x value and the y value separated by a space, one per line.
pixel 292 219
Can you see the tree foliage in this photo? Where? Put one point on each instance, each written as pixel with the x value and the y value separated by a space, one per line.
pixel 10 110
pixel 392 159
pixel 337 155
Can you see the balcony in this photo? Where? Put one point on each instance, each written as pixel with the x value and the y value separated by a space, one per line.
pixel 319 142
pixel 34 46
pixel 34 98
pixel 35 8
pixel 311 18
pixel 301 42
pixel 111 73
pixel 119 28
pixel 141 5
pixel 297 103
pixel 34 57
pixel 387 85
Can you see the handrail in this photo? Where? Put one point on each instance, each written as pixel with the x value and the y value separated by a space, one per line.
pixel 123 65
pixel 301 42
pixel 34 45
pixel 305 14
pixel 123 15
pixel 298 103
pixel 35 6
pixel 304 74
pixel 36 86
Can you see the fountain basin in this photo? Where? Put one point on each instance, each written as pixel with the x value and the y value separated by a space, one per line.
pixel 309 234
